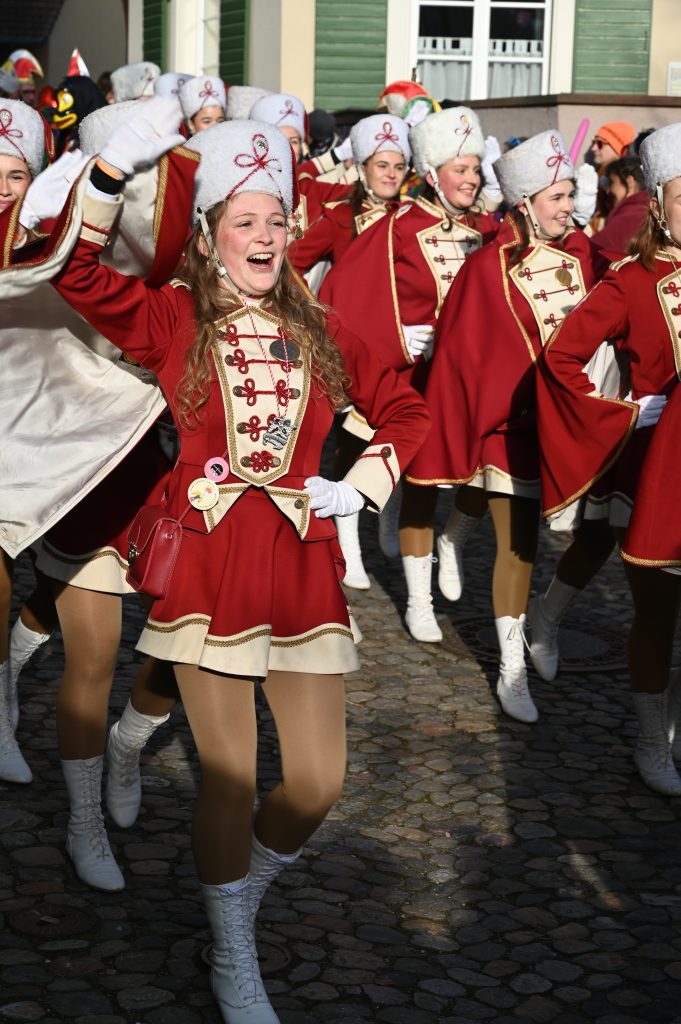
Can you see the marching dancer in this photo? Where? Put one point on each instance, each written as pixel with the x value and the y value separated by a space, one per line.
pixel 134 81
pixel 390 287
pixel 203 102
pixel 593 445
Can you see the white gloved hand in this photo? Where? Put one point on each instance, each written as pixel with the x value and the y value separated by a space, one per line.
pixel 650 409
pixel 48 193
pixel 585 196
pixel 419 340
pixel 331 498
pixel 344 151
pixel 147 134
pixel 490 180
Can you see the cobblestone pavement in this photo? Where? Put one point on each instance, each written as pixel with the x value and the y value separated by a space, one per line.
pixel 477 869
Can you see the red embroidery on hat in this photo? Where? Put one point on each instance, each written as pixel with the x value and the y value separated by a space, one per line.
pixel 10 133
pixel 386 136
pixel 207 92
pixel 465 128
pixel 258 162
pixel 558 159
pixel 288 111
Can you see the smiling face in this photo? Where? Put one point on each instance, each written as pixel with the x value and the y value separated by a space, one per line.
pixel 553 206
pixel 251 242
pixel 672 211
pixel 459 180
pixel 385 173
pixel 293 136
pixel 15 178
pixel 206 117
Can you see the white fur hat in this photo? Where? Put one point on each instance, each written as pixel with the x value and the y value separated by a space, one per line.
pixel 242 156
pixel 95 129
pixel 22 134
pixel 133 81
pixel 444 136
pixel 241 99
pixel 533 165
pixel 169 84
pixel 202 91
pixel 377 133
pixel 282 111
pixel 661 156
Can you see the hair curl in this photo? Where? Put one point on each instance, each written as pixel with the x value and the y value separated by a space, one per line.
pixel 303 320
pixel 648 240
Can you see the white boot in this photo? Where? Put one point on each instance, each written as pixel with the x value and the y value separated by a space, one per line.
pixel 127 737
pixel 265 866
pixel 544 614
pixel 420 617
pixel 512 690
pixel 22 643
pixel 674 713
pixel 87 843
pixel 13 768
pixel 450 545
pixel 653 755
pixel 235 976
pixel 348 538
pixel 389 524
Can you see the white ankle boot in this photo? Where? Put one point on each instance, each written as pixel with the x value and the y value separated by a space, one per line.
pixel 13 768
pixel 87 843
pixel 420 617
pixel 265 866
pixel 22 643
pixel 674 713
pixel 450 545
pixel 127 737
pixel 653 755
pixel 389 524
pixel 512 690
pixel 544 614
pixel 235 976
pixel 348 538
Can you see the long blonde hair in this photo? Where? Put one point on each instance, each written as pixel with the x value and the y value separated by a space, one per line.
pixel 302 318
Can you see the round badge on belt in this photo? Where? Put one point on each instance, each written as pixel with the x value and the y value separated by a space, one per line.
pixel 203 494
pixel 216 469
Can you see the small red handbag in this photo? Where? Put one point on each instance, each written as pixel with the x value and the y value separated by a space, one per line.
pixel 154 541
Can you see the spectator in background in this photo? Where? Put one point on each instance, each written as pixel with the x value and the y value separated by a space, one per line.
pixel 323 134
pixel 104 83
pixel 611 141
pixel 625 184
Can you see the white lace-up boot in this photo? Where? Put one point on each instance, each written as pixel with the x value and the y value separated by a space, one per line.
pixel 450 545
pixel 674 713
pixel 235 975
pixel 348 538
pixel 265 866
pixel 127 738
pixel 87 843
pixel 512 690
pixel 389 524
pixel 13 768
pixel 653 754
pixel 22 643
pixel 420 617
pixel 544 614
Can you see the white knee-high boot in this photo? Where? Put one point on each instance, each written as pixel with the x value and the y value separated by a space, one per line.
pixel 235 976
pixel 420 617
pixel 127 738
pixel 348 538
pixel 389 524
pixel 544 614
pixel 674 713
pixel 512 690
pixel 22 643
pixel 653 755
pixel 13 768
pixel 450 545
pixel 265 866
pixel 87 843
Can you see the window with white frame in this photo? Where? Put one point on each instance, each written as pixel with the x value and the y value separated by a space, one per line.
pixel 209 37
pixel 480 49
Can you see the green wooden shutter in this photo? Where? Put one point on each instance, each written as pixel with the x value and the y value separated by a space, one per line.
pixel 154 32
pixel 350 52
pixel 234 18
pixel 612 46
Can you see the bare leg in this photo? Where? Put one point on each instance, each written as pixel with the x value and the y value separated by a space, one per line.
pixel 6 575
pixel 471 500
pixel 516 524
pixel 39 612
pixel 416 519
pixel 349 447
pixel 657 598
pixel 155 691
pixel 594 542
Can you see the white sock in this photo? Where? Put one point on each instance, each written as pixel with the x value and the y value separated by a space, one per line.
pixel 557 598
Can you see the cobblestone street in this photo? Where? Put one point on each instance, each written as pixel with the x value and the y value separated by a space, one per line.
pixel 477 869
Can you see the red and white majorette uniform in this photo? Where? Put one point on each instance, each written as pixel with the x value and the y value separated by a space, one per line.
pixel 256 584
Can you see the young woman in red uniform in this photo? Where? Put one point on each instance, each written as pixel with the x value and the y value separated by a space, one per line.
pixel 390 287
pixel 482 387
pixel 253 370
pixel 203 100
pixel 593 446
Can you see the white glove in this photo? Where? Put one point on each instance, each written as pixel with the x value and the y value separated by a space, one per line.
pixel 48 193
pixel 650 409
pixel 492 153
pixel 585 196
pixel 333 499
pixel 146 135
pixel 344 151
pixel 419 340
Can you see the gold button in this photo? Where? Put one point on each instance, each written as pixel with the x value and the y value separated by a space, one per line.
pixel 386 453
pixel 299 503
